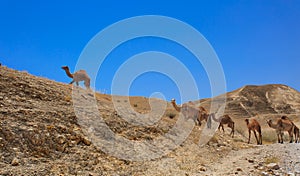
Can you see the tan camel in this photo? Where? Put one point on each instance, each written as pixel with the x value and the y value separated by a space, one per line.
pixel 190 111
pixel 281 126
pixel 254 126
pixel 177 108
pixel 296 129
pixel 80 75
pixel 225 119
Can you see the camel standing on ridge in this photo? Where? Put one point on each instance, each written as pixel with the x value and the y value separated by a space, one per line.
pixel 254 126
pixel 281 126
pixel 190 111
pixel 225 119
pixel 80 75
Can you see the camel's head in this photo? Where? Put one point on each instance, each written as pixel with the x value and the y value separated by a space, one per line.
pixel 204 116
pixel 65 67
pixel 173 100
pixel 269 122
pixel 247 121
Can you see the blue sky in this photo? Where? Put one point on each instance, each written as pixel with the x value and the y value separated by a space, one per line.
pixel 257 42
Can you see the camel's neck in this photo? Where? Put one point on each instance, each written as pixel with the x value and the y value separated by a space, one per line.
pixel 202 109
pixel 69 73
pixel 214 118
pixel 272 125
pixel 177 108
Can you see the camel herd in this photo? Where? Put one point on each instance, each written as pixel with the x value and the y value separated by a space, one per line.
pixel 198 114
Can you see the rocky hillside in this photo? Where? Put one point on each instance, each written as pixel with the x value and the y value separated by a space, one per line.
pixel 266 99
pixel 41 133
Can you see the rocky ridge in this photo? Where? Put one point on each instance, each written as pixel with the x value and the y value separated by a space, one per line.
pixel 40 133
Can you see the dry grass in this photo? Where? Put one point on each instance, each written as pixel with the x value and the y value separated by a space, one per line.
pixel 214 139
pixel 171 115
pixel 68 98
pixel 272 159
pixel 269 136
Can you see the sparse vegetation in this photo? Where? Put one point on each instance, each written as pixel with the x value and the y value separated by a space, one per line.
pixel 68 98
pixel 171 115
pixel 214 139
pixel 272 159
pixel 269 136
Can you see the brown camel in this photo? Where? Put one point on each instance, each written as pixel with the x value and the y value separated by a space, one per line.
pixel 80 75
pixel 190 111
pixel 254 126
pixel 281 126
pixel 225 119
pixel 296 129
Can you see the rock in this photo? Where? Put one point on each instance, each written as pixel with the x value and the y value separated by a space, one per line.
pixel 61 139
pixel 203 169
pixel 239 169
pixel 250 160
pixel 273 166
pixel 86 141
pixel 264 174
pixel 15 162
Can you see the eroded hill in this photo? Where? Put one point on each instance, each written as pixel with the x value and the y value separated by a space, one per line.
pixel 40 134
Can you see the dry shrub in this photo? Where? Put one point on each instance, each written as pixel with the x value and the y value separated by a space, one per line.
pixel 171 115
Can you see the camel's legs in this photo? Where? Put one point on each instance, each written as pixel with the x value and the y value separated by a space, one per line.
pixel 198 121
pixel 232 127
pixel 260 138
pixel 232 132
pixel 222 127
pixel 278 136
pixel 208 124
pixel 291 136
pixel 256 137
pixel 72 82
pixel 249 131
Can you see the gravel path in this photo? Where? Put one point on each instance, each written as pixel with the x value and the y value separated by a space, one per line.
pixel 273 159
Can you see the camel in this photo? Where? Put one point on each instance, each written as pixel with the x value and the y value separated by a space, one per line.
pixel 80 75
pixel 281 126
pixel 254 126
pixel 225 119
pixel 177 108
pixel 296 129
pixel 190 111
